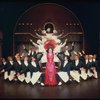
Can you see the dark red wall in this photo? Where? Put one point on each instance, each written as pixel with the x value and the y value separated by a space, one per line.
pixel 40 14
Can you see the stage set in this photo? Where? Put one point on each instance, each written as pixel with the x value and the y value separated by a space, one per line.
pixel 50 58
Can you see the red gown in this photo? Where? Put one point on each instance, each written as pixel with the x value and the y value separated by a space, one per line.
pixel 50 72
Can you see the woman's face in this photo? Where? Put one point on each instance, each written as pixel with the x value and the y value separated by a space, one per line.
pixel 50 50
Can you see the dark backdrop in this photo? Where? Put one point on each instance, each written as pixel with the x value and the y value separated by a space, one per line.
pixel 87 12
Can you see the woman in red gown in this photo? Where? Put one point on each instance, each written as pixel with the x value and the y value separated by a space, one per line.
pixel 50 72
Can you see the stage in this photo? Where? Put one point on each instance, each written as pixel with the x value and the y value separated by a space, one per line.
pixel 85 89
pixel 65 26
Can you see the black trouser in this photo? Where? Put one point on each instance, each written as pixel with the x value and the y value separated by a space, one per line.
pixel 42 78
pixel 43 64
pixel 91 71
pixel 58 78
pixel 57 63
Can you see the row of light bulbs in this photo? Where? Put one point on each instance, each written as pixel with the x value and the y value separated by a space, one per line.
pixel 72 24
pixel 32 24
pixel 25 24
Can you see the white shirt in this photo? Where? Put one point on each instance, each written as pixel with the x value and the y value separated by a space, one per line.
pixel 11 62
pixel 26 63
pixel 32 53
pixel 86 61
pixel 94 60
pixel 65 62
pixel 19 62
pixel 66 52
pixel 90 60
pixel 29 52
pixel 33 63
pixel 76 62
pixel 4 63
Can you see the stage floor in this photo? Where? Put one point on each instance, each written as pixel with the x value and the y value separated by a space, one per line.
pixel 85 89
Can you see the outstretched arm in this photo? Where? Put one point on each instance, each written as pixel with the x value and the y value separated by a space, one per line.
pixel 80 53
pixel 39 58
pixel 60 35
pixel 25 48
pixel 72 47
pixel 64 43
pixel 36 45
pixel 60 58
pixel 83 52
pixel 38 35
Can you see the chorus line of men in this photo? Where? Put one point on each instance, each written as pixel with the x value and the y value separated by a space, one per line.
pixel 74 66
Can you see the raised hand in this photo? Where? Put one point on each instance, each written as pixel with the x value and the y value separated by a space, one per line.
pixel 23 46
pixel 30 40
pixel 80 53
pixel 72 43
pixel 65 40
pixel 75 52
pixel 83 52
pixel 2 70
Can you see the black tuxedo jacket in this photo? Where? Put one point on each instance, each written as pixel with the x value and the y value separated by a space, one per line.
pixel 25 68
pixel 3 66
pixel 37 59
pixel 80 65
pixel 71 50
pixel 9 66
pixel 30 68
pixel 67 67
pixel 17 66
pixel 95 63
pixel 90 64
pixel 33 55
